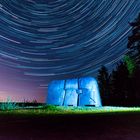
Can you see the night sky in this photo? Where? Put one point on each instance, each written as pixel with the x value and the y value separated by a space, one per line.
pixel 42 40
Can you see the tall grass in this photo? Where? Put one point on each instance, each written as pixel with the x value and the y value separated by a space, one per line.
pixel 8 105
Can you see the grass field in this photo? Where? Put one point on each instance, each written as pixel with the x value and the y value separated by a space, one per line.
pixel 52 110
pixel 70 123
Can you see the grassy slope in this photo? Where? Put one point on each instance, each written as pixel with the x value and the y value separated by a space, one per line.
pixel 52 110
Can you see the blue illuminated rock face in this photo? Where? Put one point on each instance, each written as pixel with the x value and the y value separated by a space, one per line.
pixel 74 92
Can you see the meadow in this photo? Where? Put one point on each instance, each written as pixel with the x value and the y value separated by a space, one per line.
pixel 72 123
pixel 42 110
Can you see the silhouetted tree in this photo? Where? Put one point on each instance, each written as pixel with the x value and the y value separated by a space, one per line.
pixel 134 55
pixel 119 84
pixel 104 84
pixel 134 41
pixel 122 86
pixel 136 82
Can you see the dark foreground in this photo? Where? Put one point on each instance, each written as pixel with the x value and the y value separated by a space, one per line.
pixel 71 127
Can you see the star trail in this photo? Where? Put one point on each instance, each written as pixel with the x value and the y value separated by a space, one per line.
pixel 42 40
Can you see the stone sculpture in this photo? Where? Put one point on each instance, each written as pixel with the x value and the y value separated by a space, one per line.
pixel 74 92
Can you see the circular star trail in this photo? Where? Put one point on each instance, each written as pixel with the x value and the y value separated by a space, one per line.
pixel 48 39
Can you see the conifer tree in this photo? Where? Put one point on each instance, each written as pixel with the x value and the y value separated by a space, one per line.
pixel 134 41
pixel 104 83
pixel 119 84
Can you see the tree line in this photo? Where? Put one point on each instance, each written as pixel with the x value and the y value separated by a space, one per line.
pixel 121 87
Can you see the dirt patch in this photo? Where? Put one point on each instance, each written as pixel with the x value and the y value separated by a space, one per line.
pixel 71 127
